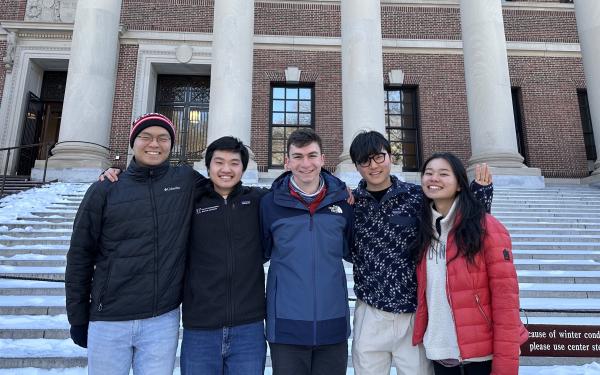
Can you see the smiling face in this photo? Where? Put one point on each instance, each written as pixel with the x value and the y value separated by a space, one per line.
pixel 152 146
pixel 225 171
pixel 439 182
pixel 377 175
pixel 305 163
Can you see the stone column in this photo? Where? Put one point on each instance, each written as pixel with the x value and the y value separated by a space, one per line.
pixel 587 13
pixel 489 102
pixel 230 110
pixel 362 75
pixel 87 109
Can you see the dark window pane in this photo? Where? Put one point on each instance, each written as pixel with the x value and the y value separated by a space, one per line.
pixel 395 121
pixel 395 108
pixel 278 93
pixel 277 132
pixel 408 121
pixel 407 109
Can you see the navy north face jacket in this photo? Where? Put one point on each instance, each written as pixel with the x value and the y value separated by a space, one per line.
pixel 307 296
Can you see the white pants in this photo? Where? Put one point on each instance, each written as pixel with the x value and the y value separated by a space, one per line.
pixel 382 338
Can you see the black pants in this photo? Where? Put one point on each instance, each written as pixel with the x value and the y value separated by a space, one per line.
pixel 309 360
pixel 472 368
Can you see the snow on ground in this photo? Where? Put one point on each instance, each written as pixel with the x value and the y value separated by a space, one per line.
pixel 36 199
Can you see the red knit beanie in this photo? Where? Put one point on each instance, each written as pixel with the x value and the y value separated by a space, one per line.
pixel 151 119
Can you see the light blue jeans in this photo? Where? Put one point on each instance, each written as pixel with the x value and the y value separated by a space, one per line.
pixel 238 350
pixel 147 345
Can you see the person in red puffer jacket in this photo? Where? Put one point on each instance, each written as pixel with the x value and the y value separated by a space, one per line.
pixel 468 295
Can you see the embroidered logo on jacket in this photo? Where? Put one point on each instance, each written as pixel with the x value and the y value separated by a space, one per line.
pixel 244 203
pixel 336 209
pixel 201 210
pixel 172 188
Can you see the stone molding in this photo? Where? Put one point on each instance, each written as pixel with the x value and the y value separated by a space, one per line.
pixel 56 11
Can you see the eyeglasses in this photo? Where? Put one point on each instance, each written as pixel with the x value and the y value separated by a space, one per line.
pixel 378 158
pixel 149 139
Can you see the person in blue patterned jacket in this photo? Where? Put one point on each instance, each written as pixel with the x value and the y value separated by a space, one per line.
pixel 307 228
pixel 386 211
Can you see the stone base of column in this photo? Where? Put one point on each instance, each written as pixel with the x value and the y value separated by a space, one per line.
pixel 73 162
pixel 508 170
pixel 250 176
pixel 594 178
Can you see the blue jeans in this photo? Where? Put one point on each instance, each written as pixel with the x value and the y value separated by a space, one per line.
pixel 147 345
pixel 230 350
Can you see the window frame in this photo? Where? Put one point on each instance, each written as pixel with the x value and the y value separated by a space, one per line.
pixel 286 86
pixel 414 89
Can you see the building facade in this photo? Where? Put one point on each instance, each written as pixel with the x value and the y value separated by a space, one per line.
pixel 515 84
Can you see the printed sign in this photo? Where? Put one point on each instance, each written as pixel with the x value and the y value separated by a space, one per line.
pixel 546 340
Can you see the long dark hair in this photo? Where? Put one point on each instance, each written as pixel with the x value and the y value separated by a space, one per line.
pixel 468 226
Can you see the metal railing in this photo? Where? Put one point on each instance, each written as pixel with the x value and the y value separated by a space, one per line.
pixel 47 146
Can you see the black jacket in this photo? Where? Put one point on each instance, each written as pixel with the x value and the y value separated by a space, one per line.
pixel 224 280
pixel 127 255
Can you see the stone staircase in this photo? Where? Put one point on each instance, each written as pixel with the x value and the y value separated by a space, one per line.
pixel 16 184
pixel 556 241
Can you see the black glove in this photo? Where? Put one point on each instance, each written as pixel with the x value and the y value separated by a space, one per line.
pixel 79 335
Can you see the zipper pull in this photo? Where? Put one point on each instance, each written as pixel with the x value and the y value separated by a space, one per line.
pixel 100 307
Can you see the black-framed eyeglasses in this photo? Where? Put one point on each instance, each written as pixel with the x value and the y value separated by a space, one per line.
pixel 377 158
pixel 145 138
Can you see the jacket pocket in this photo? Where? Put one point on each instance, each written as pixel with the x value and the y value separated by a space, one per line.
pixel 105 286
pixel 481 311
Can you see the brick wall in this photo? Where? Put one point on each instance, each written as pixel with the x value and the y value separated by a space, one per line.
pixel 319 67
pixel 297 19
pixel 551 119
pixel 123 104
pixel 443 117
pixel 13 10
pixel 540 26
pixel 168 15
pixel 410 22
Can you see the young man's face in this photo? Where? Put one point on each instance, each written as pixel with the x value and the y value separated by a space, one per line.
pixel 152 146
pixel 377 175
pixel 305 163
pixel 225 171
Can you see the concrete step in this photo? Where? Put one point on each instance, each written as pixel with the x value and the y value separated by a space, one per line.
pixel 555 245
pixel 35 241
pixel 556 264
pixel 541 220
pixel 10 287
pixel 48 219
pixel 535 290
pixel 517 237
pixel 565 215
pixel 557 254
pixel 32 305
pixel 40 250
pixel 543 210
pixel 541 225
pixel 35 233
pixel 34 262
pixel 55 214
pixel 557 276
pixel 33 273
pixel 572 232
pixel 32 226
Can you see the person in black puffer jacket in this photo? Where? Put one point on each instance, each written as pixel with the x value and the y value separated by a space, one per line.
pixel 224 292
pixel 126 262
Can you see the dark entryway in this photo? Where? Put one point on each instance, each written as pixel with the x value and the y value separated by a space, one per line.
pixel 517 113
pixel 184 99
pixel 42 120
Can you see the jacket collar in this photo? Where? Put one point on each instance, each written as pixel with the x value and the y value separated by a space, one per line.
pixel 336 191
pixel 397 187
pixel 210 190
pixel 139 172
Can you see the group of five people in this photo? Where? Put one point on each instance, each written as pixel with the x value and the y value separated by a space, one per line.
pixel 164 234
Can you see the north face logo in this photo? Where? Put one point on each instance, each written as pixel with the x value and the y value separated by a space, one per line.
pixel 336 209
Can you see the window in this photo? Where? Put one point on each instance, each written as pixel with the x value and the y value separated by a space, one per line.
pixel 517 105
pixel 292 107
pixel 586 124
pixel 401 123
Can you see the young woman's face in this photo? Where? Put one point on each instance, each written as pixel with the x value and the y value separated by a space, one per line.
pixel 438 181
